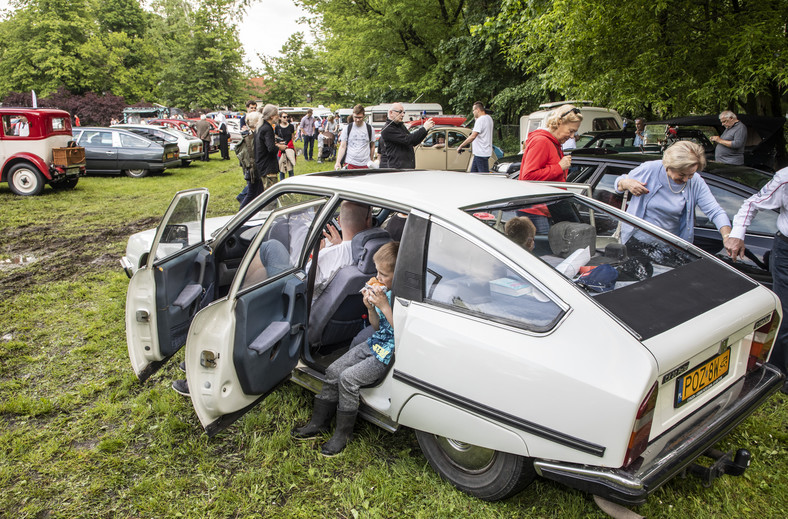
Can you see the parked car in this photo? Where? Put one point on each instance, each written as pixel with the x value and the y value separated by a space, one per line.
pixel 36 148
pixel 438 150
pixel 115 150
pixel 234 127
pixel 508 366
pixel 214 133
pixel 765 146
pixel 624 141
pixel 730 185
pixel 187 126
pixel 189 146
pixel 595 118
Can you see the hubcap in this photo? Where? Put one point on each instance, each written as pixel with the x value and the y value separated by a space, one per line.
pixel 25 180
pixel 465 456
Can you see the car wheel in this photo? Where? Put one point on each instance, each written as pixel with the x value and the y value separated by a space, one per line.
pixel 484 473
pixel 185 162
pixel 137 173
pixel 69 183
pixel 25 180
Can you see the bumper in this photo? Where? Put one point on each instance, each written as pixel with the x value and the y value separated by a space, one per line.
pixel 61 172
pixel 676 449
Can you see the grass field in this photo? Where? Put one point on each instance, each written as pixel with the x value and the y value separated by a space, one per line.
pixel 81 437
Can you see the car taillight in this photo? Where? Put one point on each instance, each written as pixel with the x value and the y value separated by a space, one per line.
pixel 638 440
pixel 762 341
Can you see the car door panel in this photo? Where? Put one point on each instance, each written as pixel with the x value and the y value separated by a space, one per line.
pixel 457 161
pixel 431 153
pixel 178 270
pixel 242 347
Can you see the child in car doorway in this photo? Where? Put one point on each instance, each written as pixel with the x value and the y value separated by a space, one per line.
pixel 363 364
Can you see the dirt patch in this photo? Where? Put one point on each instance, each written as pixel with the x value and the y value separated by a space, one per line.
pixel 49 254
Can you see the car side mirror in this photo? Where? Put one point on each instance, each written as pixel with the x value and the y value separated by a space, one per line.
pixel 175 233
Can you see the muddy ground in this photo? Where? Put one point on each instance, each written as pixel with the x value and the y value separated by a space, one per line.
pixel 34 254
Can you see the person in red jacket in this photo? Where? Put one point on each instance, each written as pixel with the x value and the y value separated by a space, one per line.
pixel 543 158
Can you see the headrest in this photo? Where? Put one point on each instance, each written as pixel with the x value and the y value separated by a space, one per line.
pixel 567 237
pixel 364 246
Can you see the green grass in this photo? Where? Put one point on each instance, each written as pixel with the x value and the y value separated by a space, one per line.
pixel 81 437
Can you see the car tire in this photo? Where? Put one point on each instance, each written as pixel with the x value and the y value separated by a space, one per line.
pixel 484 473
pixel 185 162
pixel 25 180
pixel 136 173
pixel 69 183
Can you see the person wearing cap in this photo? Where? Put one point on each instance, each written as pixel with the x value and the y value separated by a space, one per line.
pixel 772 196
pixel 480 139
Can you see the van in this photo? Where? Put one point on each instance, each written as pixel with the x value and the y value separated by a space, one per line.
pixel 377 115
pixel 594 118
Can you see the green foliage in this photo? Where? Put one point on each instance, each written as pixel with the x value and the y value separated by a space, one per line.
pixel 300 76
pixel 670 57
pixel 184 56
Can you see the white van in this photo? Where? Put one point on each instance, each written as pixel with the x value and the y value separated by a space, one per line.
pixel 377 115
pixel 594 118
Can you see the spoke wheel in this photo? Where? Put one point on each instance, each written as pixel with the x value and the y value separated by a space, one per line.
pixel 484 473
pixel 25 180
pixel 137 173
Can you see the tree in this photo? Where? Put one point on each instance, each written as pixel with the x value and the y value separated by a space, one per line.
pixel 205 66
pixel 39 46
pixel 300 76
pixel 670 57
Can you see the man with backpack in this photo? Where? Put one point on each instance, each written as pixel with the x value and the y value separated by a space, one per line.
pixel 358 140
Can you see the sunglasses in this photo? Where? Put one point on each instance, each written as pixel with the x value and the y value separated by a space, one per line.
pixel 575 110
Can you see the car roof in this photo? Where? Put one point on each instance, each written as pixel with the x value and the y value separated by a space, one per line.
pixel 437 192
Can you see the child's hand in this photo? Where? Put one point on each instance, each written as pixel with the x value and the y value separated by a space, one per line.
pixel 365 294
pixel 377 297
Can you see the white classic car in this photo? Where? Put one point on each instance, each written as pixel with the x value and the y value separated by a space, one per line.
pixel 609 367
pixel 189 146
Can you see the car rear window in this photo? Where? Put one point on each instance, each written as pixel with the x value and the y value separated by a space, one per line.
pixel 627 268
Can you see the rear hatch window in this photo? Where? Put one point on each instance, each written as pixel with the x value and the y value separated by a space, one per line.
pixel 650 283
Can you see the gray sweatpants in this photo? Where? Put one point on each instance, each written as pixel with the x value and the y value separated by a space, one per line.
pixel 358 367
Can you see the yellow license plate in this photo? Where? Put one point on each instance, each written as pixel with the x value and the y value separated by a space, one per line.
pixel 701 378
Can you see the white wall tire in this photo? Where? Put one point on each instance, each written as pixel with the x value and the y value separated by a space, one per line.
pixel 25 180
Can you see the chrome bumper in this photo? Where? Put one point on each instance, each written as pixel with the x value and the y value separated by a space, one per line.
pixel 673 451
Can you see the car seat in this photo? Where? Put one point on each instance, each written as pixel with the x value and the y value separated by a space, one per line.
pixel 337 314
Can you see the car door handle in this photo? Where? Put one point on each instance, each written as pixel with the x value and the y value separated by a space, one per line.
pixel 109 152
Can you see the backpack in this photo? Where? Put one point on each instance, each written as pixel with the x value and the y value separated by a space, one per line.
pixel 244 150
pixel 350 127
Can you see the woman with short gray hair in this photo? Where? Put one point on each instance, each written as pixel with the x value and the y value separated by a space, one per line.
pixel 665 192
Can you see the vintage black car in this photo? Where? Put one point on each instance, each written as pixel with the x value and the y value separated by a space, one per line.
pixel 765 146
pixel 113 150
pixel 730 185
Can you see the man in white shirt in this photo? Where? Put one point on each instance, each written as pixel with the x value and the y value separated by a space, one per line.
pixel 480 139
pixel 358 140
pixel 773 196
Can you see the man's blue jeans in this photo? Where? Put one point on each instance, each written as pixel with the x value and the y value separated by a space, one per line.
pixel 480 165
pixel 309 145
pixel 778 263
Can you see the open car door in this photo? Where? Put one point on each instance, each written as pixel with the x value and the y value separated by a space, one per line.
pixel 165 294
pixel 242 347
